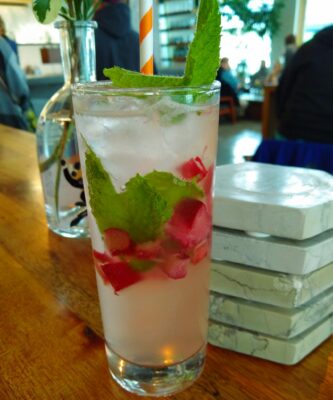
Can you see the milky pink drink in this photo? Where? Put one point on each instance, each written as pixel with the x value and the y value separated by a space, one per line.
pixel 148 159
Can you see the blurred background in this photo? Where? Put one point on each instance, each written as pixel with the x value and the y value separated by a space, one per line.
pixel 253 42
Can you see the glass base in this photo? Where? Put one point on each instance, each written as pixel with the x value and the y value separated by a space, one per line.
pixel 155 381
pixel 62 225
pixel 70 233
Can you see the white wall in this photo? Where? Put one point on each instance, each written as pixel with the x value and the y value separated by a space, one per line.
pixel 22 26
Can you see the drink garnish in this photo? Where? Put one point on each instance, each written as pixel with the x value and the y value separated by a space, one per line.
pixel 194 167
pixel 119 274
pixel 157 220
pixel 202 60
pixel 175 266
pixel 116 241
pixel 200 251
pixel 190 223
pixel 143 207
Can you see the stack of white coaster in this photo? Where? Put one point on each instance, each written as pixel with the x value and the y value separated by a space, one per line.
pixel 272 268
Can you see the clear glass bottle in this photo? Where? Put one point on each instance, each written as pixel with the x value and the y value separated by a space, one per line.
pixel 57 148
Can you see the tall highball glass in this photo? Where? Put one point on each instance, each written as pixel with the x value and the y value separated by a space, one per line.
pixel 148 158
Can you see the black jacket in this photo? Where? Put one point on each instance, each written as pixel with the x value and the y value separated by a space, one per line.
pixel 304 96
pixel 117 44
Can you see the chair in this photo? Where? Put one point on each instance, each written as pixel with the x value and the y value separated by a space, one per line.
pixel 227 107
pixel 296 154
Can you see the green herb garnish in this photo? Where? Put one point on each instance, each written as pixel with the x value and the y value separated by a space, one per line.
pixel 202 61
pixel 172 188
pixel 46 11
pixel 143 207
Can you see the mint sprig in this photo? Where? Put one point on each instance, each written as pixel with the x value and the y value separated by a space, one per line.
pixel 46 11
pixel 143 207
pixel 124 78
pixel 172 188
pixel 202 61
pixel 144 210
pixel 203 58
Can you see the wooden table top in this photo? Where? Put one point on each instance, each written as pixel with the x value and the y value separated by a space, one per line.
pixel 50 328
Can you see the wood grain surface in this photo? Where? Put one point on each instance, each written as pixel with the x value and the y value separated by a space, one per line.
pixel 51 343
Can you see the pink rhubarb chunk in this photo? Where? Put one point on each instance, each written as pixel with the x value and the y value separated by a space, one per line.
pixel 200 251
pixel 119 274
pixel 100 257
pixel 193 167
pixel 175 267
pixel 208 181
pixel 116 241
pixel 148 250
pixel 115 271
pixel 190 223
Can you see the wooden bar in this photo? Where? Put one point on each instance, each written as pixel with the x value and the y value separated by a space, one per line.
pixel 50 327
pixel 269 121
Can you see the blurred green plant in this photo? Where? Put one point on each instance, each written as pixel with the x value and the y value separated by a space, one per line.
pixel 264 19
pixel 46 11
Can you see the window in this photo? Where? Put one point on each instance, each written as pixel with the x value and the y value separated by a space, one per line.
pixel 316 18
pixel 248 47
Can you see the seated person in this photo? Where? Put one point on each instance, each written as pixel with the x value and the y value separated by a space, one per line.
pixel 274 76
pixel 290 49
pixel 14 91
pixel 116 42
pixel 259 78
pixel 3 34
pixel 229 84
pixel 304 96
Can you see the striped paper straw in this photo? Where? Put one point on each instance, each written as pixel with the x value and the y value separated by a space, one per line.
pixel 146 37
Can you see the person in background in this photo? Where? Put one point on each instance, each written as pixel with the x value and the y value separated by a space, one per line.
pixel 304 96
pixel 274 75
pixel 259 78
pixel 11 42
pixel 15 105
pixel 229 84
pixel 290 49
pixel 116 42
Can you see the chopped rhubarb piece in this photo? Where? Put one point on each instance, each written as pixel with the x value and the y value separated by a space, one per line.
pixel 148 250
pixel 100 271
pixel 200 251
pixel 175 266
pixel 171 246
pixel 101 257
pixel 116 240
pixel 119 274
pixel 208 181
pixel 190 223
pixel 193 167
pixel 207 185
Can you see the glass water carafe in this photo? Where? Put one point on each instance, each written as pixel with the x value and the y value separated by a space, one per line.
pixel 58 154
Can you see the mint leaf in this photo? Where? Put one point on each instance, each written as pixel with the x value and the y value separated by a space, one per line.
pixel 104 201
pixel 46 11
pixel 202 61
pixel 140 210
pixel 204 54
pixel 143 207
pixel 172 188
pixel 146 209
pixel 129 79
